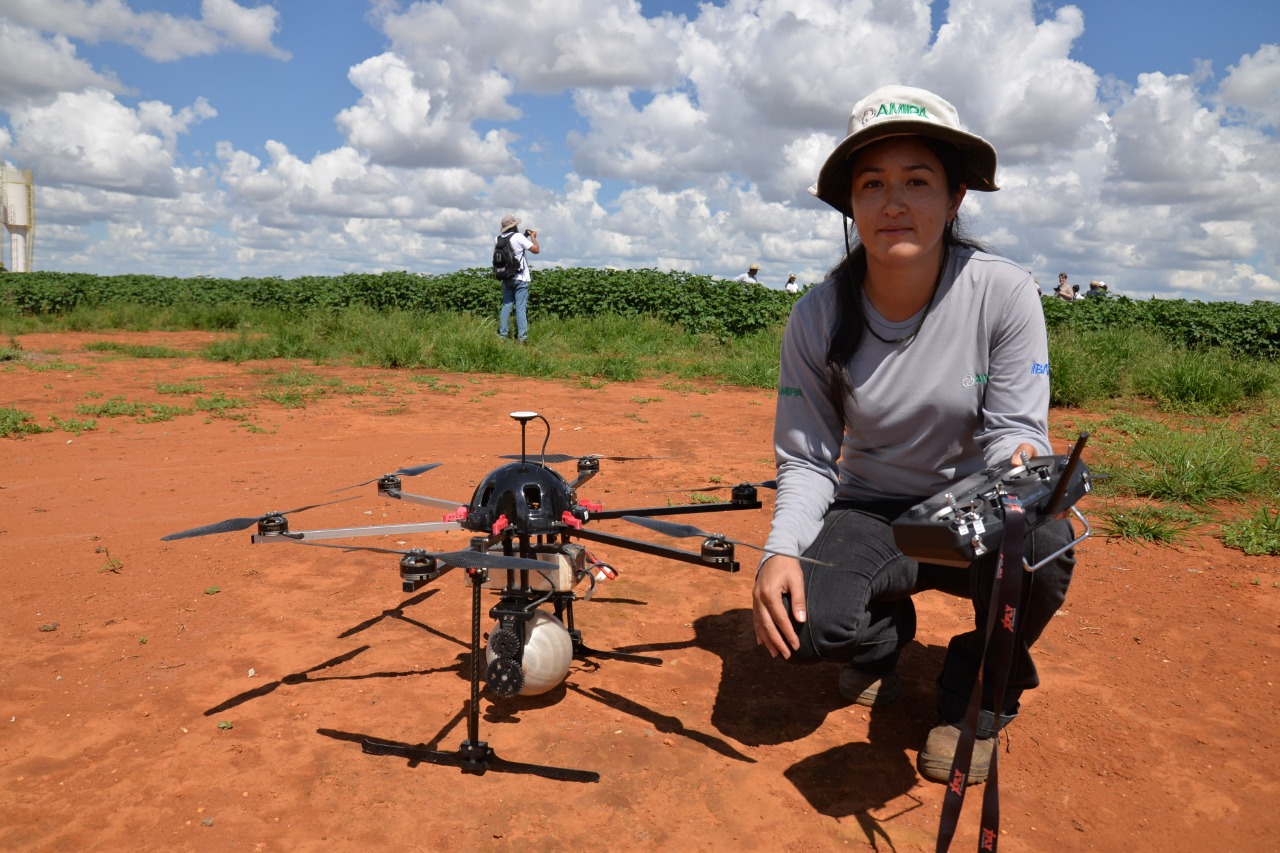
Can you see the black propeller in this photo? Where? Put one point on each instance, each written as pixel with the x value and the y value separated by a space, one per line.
pixel 232 524
pixel 686 531
pixel 766 484
pixel 555 458
pixel 403 472
pixel 460 559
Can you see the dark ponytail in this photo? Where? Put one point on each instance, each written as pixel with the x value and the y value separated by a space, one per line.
pixel 850 325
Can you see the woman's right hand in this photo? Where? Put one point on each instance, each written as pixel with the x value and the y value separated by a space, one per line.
pixel 778 576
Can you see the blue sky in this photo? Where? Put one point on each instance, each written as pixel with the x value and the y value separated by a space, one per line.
pixel 1137 139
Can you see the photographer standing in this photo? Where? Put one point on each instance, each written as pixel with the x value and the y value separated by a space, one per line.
pixel 515 287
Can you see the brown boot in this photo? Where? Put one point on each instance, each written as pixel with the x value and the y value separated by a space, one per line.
pixel 934 761
pixel 870 691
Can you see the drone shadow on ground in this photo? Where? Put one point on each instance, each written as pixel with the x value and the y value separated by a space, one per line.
pixel 762 701
pixel 452 723
pixel 661 722
pixel 397 613
pixel 308 675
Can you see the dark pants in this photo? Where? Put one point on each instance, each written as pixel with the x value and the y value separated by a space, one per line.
pixel 860 610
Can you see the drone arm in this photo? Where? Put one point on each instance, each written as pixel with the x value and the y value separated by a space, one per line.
pixel 638 545
pixel 349 532
pixel 440 503
pixel 582 478
pixel 682 509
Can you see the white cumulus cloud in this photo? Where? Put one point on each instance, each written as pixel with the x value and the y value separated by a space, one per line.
pixel 91 139
pixel 1254 84
pixel 634 140
pixel 35 67
pixel 401 123
pixel 223 25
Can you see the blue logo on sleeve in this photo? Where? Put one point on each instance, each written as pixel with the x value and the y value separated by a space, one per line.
pixel 1038 369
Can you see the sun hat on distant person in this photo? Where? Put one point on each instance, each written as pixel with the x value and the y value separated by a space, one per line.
pixel 903 111
pixel 509 222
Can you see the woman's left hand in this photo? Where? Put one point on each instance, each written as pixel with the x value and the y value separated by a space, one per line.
pixel 1029 449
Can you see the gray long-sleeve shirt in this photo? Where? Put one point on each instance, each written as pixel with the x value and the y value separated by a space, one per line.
pixel 962 394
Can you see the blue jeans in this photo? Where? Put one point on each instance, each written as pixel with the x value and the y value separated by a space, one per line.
pixel 514 292
pixel 860 610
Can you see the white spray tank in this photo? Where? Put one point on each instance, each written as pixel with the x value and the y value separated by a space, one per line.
pixel 548 652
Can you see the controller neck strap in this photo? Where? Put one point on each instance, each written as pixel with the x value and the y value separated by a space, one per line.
pixel 997 659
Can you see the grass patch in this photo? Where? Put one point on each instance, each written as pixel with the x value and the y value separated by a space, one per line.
pixel 113 407
pixel 1098 365
pixel 290 398
pixel 135 350
pixel 1256 535
pixel 1193 467
pixel 178 389
pixel 1090 366
pixel 1148 523
pixel 596 349
pixel 36 366
pixel 75 426
pixel 1205 381
pixel 158 412
pixel 301 379
pixel 435 384
pixel 219 403
pixel 16 422
pixel 119 407
pixel 296 388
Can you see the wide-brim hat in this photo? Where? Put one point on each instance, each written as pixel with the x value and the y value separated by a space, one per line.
pixel 903 111
pixel 753 268
pixel 509 222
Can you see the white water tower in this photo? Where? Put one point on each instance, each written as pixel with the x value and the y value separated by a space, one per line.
pixel 18 212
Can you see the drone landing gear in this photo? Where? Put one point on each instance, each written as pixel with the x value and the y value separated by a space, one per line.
pixel 474 755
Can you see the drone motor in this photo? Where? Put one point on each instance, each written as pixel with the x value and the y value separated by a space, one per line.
pixel 275 524
pixel 417 569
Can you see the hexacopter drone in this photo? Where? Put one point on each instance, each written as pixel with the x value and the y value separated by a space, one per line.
pixel 525 516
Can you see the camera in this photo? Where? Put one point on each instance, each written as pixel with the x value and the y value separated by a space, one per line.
pixel 528 232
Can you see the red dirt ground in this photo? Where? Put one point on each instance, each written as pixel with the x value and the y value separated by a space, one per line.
pixel 1155 729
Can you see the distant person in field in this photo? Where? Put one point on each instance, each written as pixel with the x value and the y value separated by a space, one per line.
pixel 750 275
pixel 792 286
pixel 1063 290
pixel 1097 289
pixel 515 290
pixel 922 359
